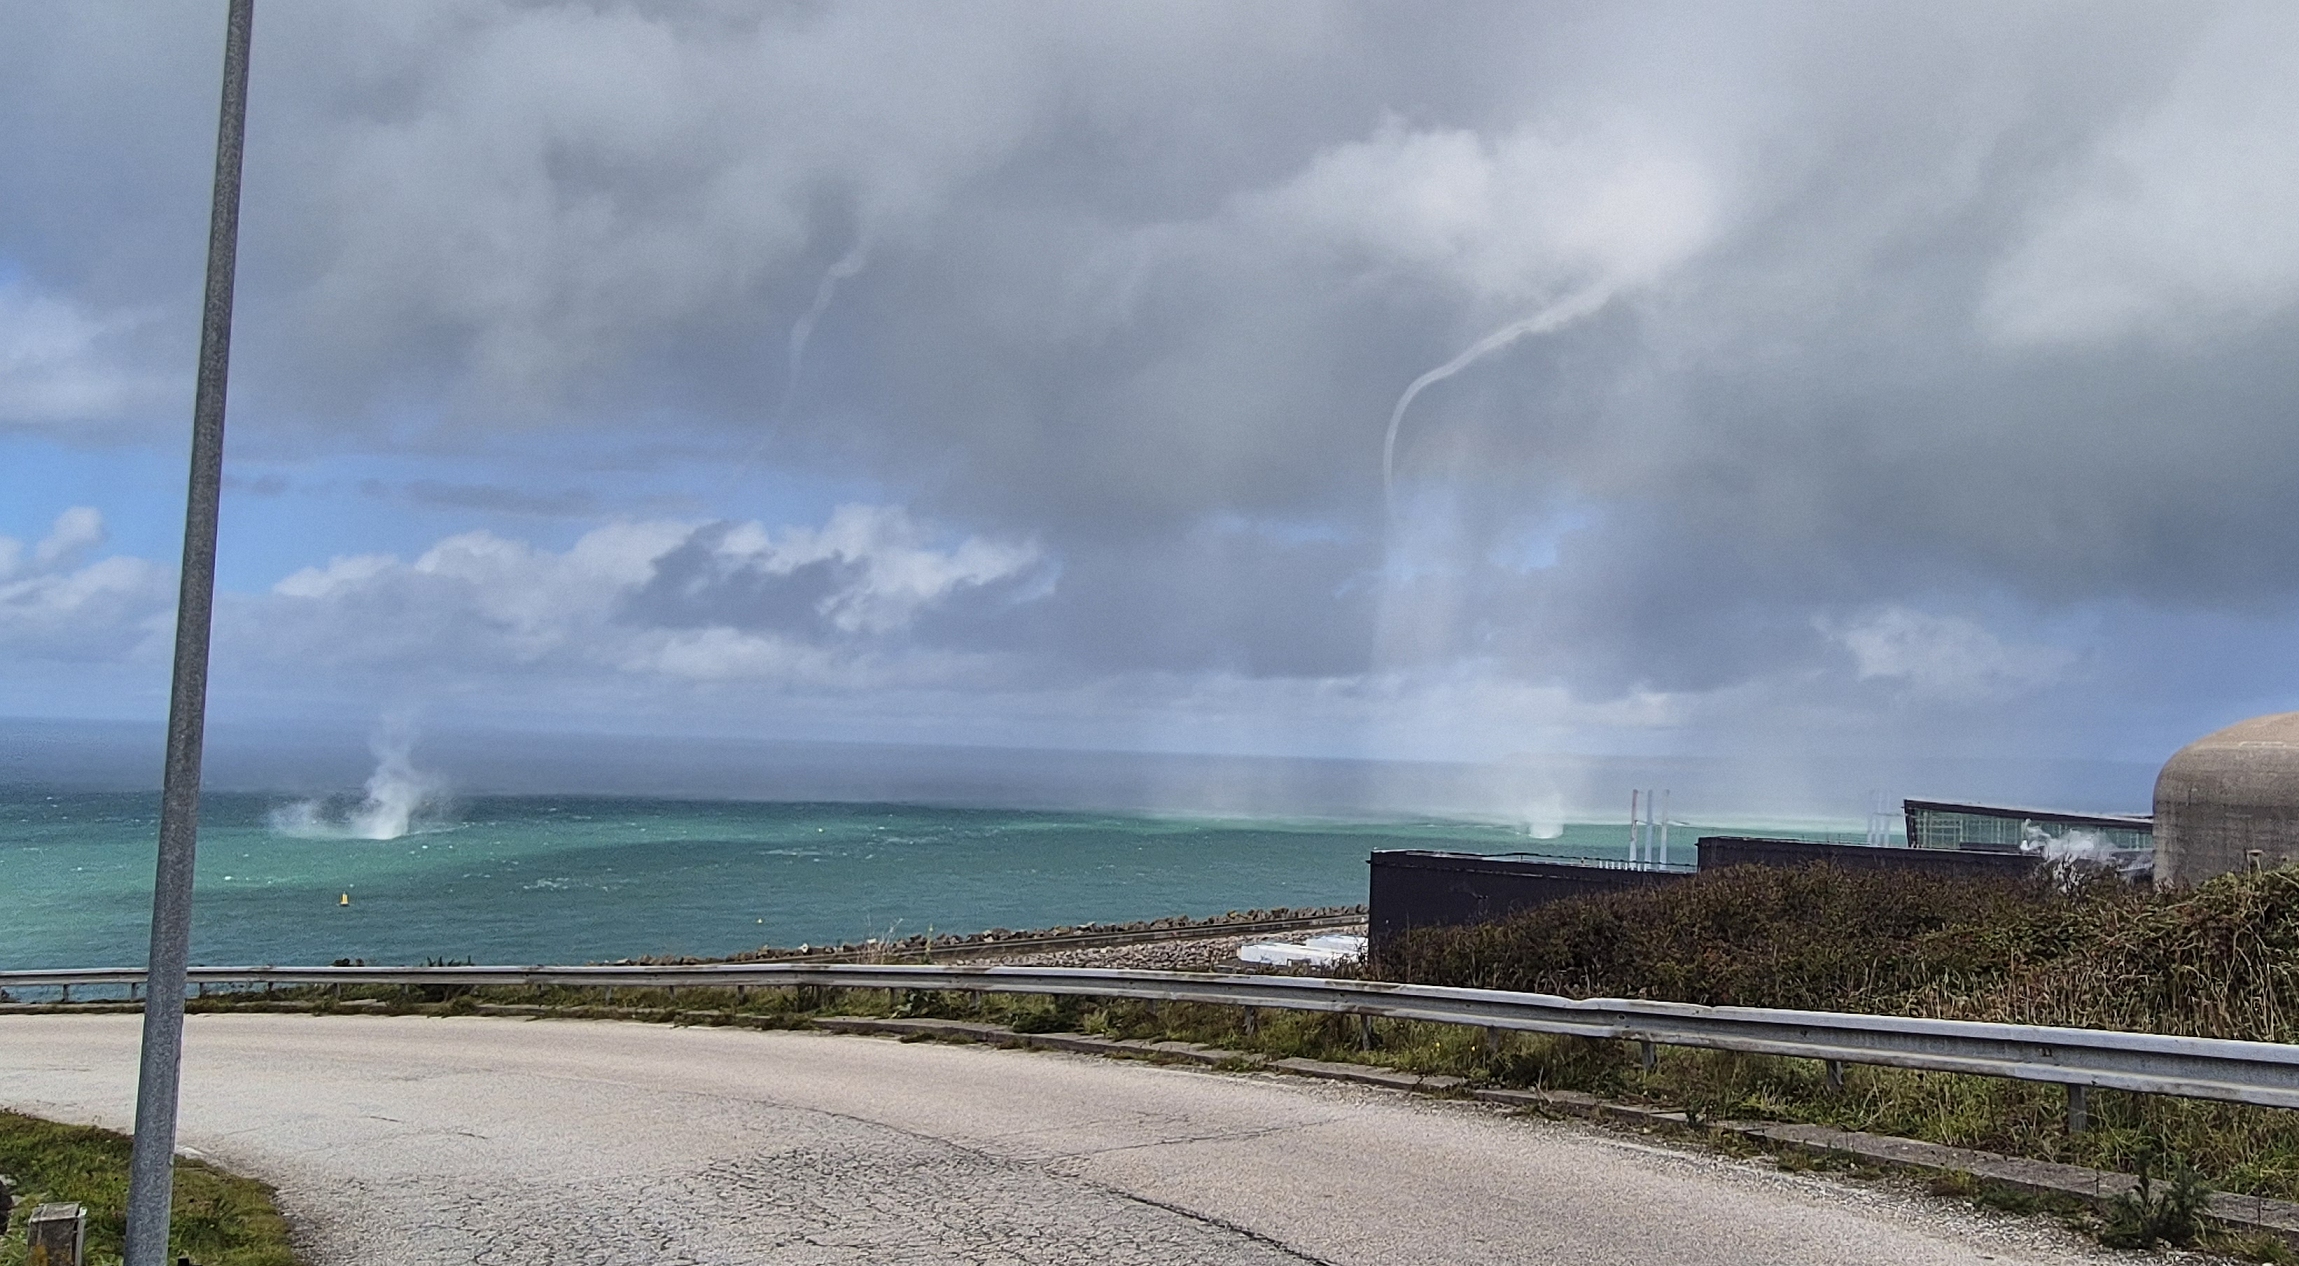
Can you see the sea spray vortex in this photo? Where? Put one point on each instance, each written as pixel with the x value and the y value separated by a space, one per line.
pixel 396 795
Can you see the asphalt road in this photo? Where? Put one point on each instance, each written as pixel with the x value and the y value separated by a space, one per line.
pixel 415 1140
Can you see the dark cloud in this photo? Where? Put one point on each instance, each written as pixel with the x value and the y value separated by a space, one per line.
pixel 1916 335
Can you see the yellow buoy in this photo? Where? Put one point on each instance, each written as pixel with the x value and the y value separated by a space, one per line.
pixel 346 900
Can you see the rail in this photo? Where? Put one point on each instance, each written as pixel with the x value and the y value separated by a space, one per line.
pixel 2261 1073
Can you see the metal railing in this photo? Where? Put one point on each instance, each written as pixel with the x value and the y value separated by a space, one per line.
pixel 2261 1073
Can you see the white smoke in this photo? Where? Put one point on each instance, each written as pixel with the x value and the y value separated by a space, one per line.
pixel 2074 845
pixel 399 798
pixel 2088 848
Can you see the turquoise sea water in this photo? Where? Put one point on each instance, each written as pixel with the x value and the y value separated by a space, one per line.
pixel 562 879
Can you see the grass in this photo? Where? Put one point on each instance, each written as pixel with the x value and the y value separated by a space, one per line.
pixel 220 1219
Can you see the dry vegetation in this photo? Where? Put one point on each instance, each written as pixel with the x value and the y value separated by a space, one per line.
pixel 2221 960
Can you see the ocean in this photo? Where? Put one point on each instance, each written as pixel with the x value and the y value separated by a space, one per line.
pixel 539 879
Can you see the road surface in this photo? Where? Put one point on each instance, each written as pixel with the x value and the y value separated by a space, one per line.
pixel 418 1140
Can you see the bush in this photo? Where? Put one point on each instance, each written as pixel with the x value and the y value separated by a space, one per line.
pixel 2220 960
pixel 1811 938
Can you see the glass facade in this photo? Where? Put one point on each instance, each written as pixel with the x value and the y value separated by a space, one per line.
pixel 1985 828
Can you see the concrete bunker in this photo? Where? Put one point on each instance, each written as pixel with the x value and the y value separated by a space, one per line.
pixel 2229 801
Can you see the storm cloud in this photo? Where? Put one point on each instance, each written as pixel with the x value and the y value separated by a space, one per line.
pixel 1918 371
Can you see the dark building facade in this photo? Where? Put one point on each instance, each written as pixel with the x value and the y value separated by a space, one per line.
pixel 1412 888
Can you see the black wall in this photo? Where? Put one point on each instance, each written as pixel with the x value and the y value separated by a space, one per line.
pixel 1717 851
pixel 1415 888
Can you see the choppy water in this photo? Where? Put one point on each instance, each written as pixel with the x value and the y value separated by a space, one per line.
pixel 533 879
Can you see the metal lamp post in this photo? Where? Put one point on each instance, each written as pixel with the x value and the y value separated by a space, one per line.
pixel 151 1172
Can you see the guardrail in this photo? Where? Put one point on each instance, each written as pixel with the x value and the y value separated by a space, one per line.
pixel 2262 1073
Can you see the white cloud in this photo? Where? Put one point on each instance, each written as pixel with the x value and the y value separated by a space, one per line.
pixel 1945 657
pixel 2177 224
pixel 51 607
pixel 1509 218
pixel 678 600
pixel 896 572
pixel 61 364
pixel 1137 270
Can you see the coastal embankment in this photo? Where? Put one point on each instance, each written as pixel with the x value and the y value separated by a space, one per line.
pixel 1167 944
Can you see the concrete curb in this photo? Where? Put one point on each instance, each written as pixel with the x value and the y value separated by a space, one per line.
pixel 2232 1212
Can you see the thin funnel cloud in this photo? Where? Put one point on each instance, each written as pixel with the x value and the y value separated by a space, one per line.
pixel 1548 320
pixel 802 333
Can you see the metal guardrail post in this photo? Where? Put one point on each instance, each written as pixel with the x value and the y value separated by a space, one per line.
pixel 2079 1108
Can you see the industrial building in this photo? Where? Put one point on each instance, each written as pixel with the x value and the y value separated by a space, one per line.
pixel 1413 888
pixel 2125 840
pixel 2227 802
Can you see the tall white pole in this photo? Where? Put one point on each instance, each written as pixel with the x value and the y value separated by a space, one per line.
pixel 151 1167
pixel 1632 809
pixel 1664 798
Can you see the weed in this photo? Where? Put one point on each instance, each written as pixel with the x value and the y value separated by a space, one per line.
pixel 2148 1215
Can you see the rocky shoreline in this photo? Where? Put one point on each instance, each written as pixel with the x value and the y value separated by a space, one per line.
pixel 1172 943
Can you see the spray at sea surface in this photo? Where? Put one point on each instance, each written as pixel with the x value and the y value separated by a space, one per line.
pixel 399 798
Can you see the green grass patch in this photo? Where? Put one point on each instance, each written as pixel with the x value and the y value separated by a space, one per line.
pixel 220 1219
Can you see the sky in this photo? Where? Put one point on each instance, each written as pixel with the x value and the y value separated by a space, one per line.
pixel 1463 383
